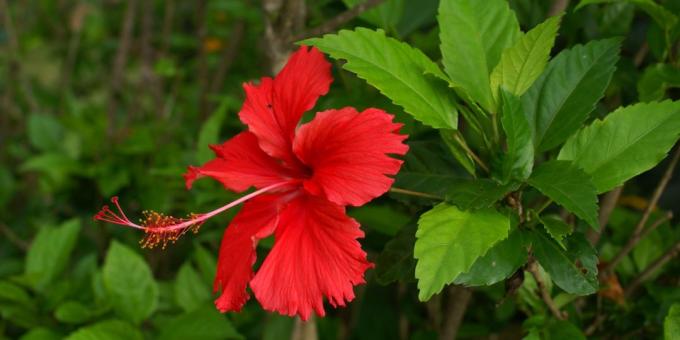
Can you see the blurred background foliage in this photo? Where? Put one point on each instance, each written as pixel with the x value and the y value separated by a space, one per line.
pixel 110 97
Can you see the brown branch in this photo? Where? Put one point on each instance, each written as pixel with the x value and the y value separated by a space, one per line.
pixel 651 268
pixel 459 299
pixel 637 232
pixel 558 7
pixel 599 320
pixel 532 268
pixel 13 238
pixel 641 54
pixel 304 330
pixel 342 18
pixel 283 18
pixel 607 205
pixel 120 61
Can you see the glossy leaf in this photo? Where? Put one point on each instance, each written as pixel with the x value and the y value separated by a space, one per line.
pixel 524 61
pixel 562 97
pixel 473 34
pixel 500 262
pixel 573 269
pixel 569 187
pixel 131 288
pixel 518 160
pixel 628 142
pixel 396 69
pixel 450 240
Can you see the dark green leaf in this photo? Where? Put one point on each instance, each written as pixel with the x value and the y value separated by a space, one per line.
pixel 628 142
pixel 501 261
pixel 50 252
pixel 73 312
pixel 45 132
pixel 661 15
pixel 656 80
pixel 556 228
pixel 449 241
pixel 573 269
pixel 569 186
pixel 477 193
pixel 107 330
pixel 203 323
pixel 563 96
pixel 130 285
pixel 519 158
pixel 397 70
pixel 396 262
pixel 473 34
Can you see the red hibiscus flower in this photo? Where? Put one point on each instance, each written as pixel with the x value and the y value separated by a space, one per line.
pixel 305 176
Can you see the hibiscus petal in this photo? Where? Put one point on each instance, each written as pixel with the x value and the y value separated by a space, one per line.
pixel 256 220
pixel 240 164
pixel 348 153
pixel 273 108
pixel 316 254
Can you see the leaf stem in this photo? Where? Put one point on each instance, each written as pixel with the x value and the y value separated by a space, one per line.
pixel 543 206
pixel 461 141
pixel 415 193
pixel 532 268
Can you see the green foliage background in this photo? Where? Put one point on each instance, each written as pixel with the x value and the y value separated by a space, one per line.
pixel 101 98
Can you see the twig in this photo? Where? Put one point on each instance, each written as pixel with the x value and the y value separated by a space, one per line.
pixel 459 299
pixel 637 232
pixel 595 325
pixel 333 24
pixel 13 237
pixel 415 193
pixel 532 268
pixel 651 268
pixel 607 205
pixel 304 330
pixel 641 54
pixel 558 7
pixel 461 141
pixel 228 56
pixel 120 61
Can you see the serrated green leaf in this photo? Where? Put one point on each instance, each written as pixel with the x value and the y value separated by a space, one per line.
pixel 50 252
pixel 107 330
pixel 396 262
pixel 656 80
pixel 396 69
pixel 473 34
pixel 628 142
pixel 671 323
pixel 573 269
pixel 191 291
pixel 518 160
pixel 477 193
pixel 129 283
pixel 569 187
pixel 556 228
pixel 523 62
pixel 501 261
pixel 203 323
pixel 661 15
pixel 562 97
pixel 450 240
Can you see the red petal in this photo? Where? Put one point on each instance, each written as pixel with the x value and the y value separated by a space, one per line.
pixel 273 109
pixel 256 220
pixel 316 254
pixel 348 154
pixel 240 164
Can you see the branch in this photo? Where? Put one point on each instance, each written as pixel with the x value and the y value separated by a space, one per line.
pixel 533 269
pixel 651 268
pixel 333 24
pixel 637 233
pixel 558 7
pixel 304 330
pixel 415 193
pixel 607 205
pixel 13 238
pixel 459 299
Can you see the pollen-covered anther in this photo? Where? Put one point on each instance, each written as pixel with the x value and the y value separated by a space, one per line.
pixel 162 229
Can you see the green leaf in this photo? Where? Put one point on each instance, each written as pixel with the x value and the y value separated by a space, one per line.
pixel 204 323
pixel 661 15
pixel 457 151
pixel 656 80
pixel 191 291
pixel 206 263
pixel 477 193
pixel 50 252
pixel 500 262
pixel 72 312
pixel 569 186
pixel 129 283
pixel 384 219
pixel 574 81
pixel 41 334
pixel 450 240
pixel 45 132
pixel 13 293
pixel 385 15
pixel 556 228
pixel 628 142
pixel 518 160
pixel 396 262
pixel 473 34
pixel 397 70
pixel 573 269
pixel 522 63
pixel 210 133
pixel 671 324
pixel 107 330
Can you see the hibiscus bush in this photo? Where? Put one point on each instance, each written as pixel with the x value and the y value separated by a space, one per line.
pixel 395 169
